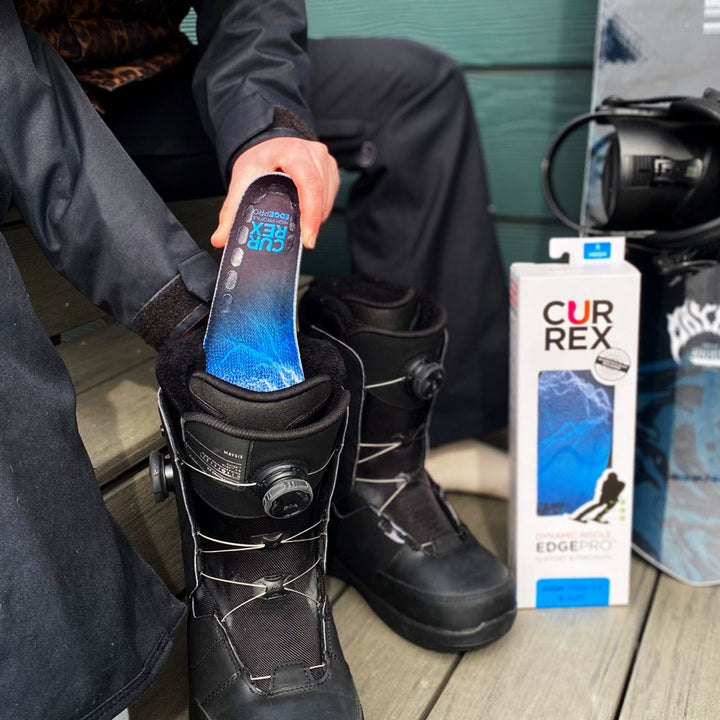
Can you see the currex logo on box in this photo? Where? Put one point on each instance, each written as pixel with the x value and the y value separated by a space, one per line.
pixel 572 325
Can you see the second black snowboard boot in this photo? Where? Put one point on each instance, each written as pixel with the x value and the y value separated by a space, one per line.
pixel 253 473
pixel 393 535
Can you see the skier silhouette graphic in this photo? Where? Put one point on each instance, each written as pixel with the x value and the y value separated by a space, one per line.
pixel 609 494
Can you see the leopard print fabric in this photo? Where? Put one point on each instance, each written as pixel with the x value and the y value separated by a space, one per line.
pixel 110 43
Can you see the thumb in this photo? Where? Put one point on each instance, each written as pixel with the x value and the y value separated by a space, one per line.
pixel 238 185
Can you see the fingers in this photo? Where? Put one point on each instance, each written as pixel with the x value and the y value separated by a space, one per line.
pixel 312 169
pixel 310 183
pixel 227 213
pixel 332 185
pixel 242 175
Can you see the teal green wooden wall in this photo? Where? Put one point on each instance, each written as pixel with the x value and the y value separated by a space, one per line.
pixel 528 65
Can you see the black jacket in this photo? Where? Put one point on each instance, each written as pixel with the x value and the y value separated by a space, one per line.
pixel 254 73
pixel 250 84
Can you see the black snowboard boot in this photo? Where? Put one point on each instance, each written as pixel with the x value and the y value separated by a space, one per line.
pixel 253 474
pixel 393 535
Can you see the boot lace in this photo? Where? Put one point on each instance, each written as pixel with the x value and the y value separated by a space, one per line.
pixel 260 589
pixel 413 501
pixel 379 449
pixel 401 481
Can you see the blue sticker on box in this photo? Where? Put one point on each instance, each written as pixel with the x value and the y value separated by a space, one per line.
pixel 572 592
pixel 597 250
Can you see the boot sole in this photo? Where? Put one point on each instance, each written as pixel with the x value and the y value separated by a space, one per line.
pixel 427 636
pixel 196 713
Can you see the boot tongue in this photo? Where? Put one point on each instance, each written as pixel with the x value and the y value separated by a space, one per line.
pixel 398 315
pixel 279 410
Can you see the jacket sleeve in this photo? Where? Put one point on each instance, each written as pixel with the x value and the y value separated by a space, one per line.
pixel 96 218
pixel 254 73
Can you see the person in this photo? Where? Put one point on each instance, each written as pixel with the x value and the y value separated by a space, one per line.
pixel 256 94
pixel 397 112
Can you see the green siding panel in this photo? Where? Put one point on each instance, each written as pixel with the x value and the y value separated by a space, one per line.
pixel 474 32
pixel 188 26
pixel 518 114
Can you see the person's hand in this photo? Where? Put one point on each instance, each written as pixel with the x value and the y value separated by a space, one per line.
pixel 312 169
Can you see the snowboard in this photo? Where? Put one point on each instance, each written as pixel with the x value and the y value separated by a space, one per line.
pixel 251 339
pixel 644 49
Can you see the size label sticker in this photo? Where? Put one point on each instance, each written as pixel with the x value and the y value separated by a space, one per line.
pixel 572 592
pixel 597 251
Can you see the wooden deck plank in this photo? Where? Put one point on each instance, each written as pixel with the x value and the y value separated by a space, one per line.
pixel 119 422
pixel 151 527
pixel 676 671
pixel 103 354
pixel 58 305
pixel 554 663
pixel 394 678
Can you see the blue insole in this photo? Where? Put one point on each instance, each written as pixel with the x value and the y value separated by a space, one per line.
pixel 251 339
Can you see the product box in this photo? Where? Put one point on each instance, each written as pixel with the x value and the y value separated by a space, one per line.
pixel 573 379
